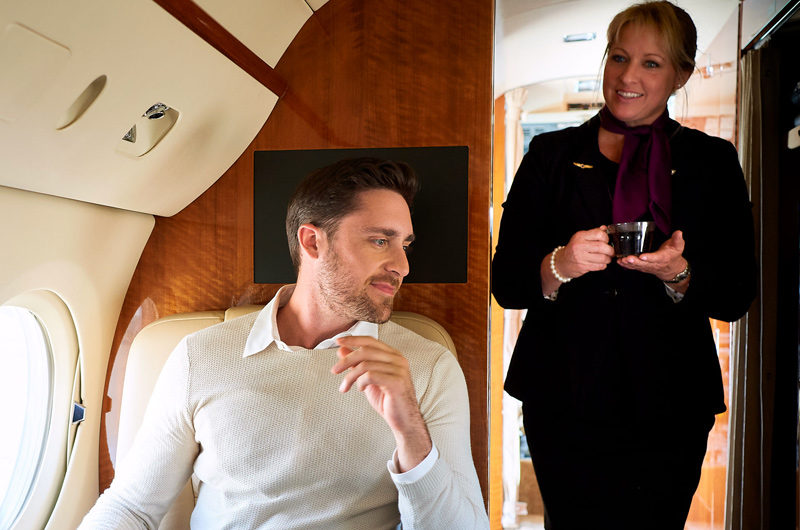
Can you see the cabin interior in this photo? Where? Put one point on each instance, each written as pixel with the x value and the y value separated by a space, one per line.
pixel 128 134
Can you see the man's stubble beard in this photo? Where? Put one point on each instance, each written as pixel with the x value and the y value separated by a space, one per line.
pixel 342 294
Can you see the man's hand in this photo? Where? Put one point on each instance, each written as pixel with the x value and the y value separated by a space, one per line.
pixel 382 373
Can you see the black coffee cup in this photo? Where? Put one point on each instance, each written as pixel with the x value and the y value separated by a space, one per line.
pixel 631 239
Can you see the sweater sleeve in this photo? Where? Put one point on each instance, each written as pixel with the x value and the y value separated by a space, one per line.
pixel 159 463
pixel 449 495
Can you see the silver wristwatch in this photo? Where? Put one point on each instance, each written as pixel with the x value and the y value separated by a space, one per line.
pixel 681 275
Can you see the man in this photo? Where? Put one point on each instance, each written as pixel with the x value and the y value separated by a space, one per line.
pixel 260 408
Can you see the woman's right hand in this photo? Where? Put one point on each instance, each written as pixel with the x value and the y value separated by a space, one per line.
pixel 587 251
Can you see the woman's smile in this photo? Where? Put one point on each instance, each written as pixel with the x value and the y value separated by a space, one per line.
pixel 638 79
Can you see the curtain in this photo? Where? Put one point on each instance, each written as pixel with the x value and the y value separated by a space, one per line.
pixel 751 405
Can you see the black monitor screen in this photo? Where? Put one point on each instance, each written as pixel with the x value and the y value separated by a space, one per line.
pixel 439 213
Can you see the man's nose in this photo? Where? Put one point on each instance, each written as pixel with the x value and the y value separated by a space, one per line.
pixel 398 263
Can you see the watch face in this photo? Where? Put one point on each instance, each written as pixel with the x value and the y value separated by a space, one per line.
pixel 681 275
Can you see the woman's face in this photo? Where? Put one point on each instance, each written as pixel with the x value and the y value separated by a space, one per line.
pixel 638 77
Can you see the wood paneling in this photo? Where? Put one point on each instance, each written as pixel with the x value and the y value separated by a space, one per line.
pixel 388 73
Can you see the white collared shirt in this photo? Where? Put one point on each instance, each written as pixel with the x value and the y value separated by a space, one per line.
pixel 265 329
pixel 265 332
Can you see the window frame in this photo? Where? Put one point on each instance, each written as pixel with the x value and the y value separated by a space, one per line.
pixel 59 329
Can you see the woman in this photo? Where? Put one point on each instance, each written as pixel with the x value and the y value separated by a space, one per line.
pixel 616 364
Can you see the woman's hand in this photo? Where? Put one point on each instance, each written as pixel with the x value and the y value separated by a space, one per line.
pixel 665 263
pixel 587 251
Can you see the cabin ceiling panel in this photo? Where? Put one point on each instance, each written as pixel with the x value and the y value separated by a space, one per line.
pixel 265 26
pixel 147 57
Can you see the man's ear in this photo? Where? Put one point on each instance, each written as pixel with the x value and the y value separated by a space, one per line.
pixel 310 238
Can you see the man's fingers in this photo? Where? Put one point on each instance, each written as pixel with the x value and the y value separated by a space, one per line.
pixel 354 349
pixel 360 341
pixel 369 361
pixel 368 373
pixel 349 358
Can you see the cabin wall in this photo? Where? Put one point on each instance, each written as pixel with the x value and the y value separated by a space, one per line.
pixel 45 249
pixel 361 73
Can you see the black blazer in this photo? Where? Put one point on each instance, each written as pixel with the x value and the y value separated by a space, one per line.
pixel 614 347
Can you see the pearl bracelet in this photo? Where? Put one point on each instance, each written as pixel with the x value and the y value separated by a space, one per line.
pixel 553 266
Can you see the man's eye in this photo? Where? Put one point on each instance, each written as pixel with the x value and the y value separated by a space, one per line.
pixel 380 242
pixel 407 249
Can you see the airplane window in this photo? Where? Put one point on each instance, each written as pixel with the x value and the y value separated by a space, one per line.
pixel 26 378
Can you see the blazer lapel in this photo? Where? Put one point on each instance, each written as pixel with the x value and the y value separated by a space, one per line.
pixel 590 185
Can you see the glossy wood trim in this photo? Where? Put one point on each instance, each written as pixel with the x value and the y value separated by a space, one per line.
pixel 211 31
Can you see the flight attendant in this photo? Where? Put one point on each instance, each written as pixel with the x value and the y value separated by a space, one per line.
pixel 616 364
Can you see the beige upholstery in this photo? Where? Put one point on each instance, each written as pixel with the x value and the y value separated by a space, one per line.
pixel 149 352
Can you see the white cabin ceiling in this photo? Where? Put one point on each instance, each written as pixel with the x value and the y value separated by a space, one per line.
pixel 55 49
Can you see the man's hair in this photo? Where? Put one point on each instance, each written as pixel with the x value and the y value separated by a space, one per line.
pixel 327 194
pixel 673 24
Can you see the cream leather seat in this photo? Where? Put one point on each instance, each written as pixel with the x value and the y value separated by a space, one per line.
pixel 149 352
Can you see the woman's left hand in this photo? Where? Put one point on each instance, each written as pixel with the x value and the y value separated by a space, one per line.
pixel 665 263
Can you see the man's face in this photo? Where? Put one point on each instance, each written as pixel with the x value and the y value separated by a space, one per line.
pixel 363 266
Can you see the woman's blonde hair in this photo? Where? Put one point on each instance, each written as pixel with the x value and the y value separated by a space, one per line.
pixel 673 24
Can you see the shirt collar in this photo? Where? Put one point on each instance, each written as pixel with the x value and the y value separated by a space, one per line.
pixel 265 328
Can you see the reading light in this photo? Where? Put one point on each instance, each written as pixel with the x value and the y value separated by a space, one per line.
pixel 156 112
pixel 578 37
pixel 148 130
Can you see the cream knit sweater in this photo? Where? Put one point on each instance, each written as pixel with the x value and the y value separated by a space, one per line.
pixel 277 446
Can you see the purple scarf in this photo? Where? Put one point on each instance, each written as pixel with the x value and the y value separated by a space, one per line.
pixel 644 178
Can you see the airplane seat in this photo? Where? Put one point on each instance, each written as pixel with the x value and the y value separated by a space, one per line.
pixel 146 357
pixel 148 353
